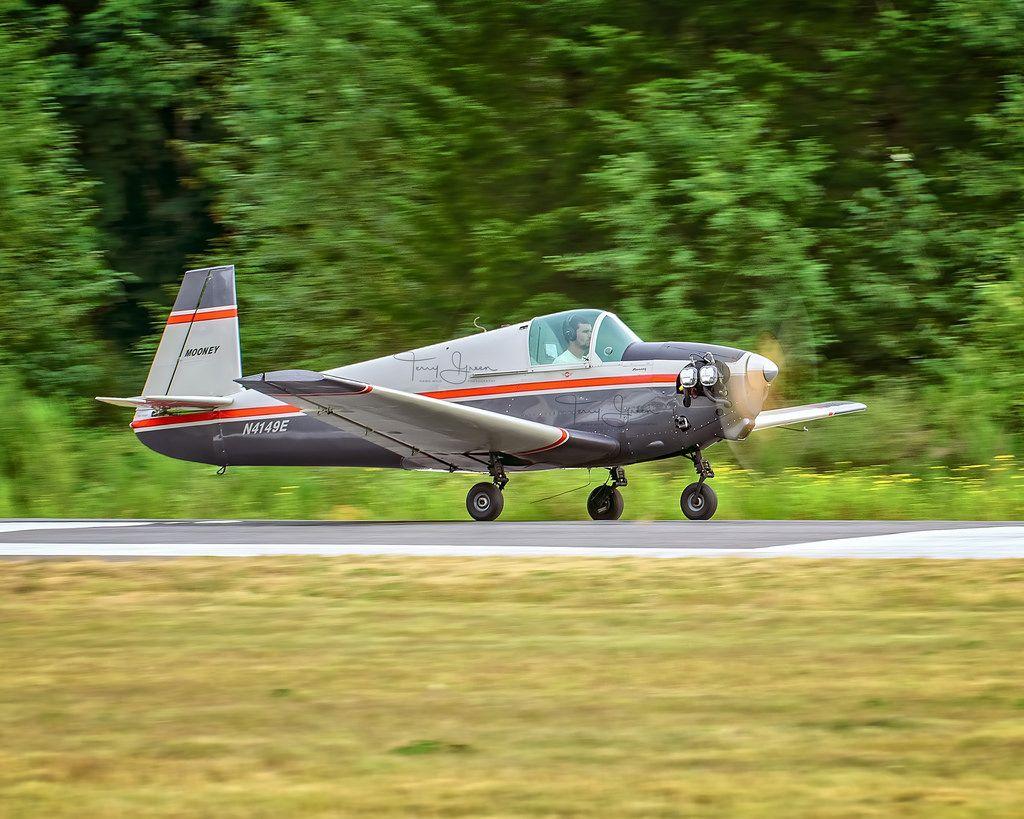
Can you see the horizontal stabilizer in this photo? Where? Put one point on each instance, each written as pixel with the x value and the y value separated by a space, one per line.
pixel 807 412
pixel 168 401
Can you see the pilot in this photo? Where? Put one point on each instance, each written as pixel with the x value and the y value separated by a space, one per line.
pixel 576 331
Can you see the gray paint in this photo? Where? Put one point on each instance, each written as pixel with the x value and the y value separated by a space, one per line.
pixel 638 418
pixel 179 538
pixel 678 351
pixel 642 420
pixel 214 286
pixel 307 442
pixel 583 447
pixel 278 383
pixel 199 443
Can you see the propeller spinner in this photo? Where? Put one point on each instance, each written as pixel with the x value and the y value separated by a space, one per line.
pixel 749 380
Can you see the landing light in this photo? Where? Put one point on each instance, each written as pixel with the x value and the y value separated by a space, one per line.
pixel 688 377
pixel 709 375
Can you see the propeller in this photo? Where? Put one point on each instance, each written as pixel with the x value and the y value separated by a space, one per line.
pixel 791 345
pixel 780 369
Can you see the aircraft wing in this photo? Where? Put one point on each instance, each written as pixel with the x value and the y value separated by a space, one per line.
pixel 807 412
pixel 429 431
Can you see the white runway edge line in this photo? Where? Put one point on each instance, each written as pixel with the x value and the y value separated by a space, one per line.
pixel 36 525
pixel 991 543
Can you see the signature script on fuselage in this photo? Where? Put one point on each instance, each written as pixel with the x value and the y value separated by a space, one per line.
pixel 615 411
pixel 433 368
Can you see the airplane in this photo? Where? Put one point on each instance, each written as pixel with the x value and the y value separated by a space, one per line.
pixel 571 389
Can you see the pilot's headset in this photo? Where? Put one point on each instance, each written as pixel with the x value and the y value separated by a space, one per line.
pixel 571 327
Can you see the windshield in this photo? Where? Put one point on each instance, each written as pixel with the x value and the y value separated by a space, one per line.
pixel 613 337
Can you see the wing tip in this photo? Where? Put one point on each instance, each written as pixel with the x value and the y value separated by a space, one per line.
pixel 805 413
pixel 847 407
pixel 136 401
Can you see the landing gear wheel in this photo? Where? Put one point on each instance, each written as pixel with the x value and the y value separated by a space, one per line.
pixel 485 501
pixel 605 503
pixel 698 501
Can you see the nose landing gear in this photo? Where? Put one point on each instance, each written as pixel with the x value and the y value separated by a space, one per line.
pixel 605 502
pixel 699 501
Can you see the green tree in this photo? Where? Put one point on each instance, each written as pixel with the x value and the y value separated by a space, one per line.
pixel 704 214
pixel 140 82
pixel 54 283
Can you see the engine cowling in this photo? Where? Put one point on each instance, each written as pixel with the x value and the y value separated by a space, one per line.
pixel 749 382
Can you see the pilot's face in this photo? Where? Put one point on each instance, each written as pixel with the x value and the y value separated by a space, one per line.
pixel 583 335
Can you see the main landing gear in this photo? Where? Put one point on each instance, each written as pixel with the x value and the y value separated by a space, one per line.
pixel 699 500
pixel 485 500
pixel 605 502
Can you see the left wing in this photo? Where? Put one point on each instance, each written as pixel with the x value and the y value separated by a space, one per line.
pixel 807 412
pixel 428 430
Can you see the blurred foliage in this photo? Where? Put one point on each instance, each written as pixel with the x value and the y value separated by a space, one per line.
pixel 54 282
pixel 845 178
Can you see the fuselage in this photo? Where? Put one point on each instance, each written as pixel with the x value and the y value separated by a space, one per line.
pixel 633 399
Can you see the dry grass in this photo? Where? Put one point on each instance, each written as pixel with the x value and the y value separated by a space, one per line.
pixel 494 687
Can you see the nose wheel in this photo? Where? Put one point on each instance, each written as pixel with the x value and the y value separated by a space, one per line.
pixel 699 501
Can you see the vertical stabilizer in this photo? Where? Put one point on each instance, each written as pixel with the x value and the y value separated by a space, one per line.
pixel 199 352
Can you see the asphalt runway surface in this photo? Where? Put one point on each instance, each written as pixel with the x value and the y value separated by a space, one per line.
pixel 25 538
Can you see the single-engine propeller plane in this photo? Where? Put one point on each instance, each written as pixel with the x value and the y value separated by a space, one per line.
pixel 572 389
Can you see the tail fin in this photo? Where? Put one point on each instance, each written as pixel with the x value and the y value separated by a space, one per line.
pixel 199 352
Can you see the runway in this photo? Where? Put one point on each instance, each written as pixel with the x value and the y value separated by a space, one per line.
pixel 25 538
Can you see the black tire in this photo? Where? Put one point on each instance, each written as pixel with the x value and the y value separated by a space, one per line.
pixel 698 501
pixel 485 501
pixel 605 503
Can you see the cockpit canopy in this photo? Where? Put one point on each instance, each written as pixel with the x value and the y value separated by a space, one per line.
pixel 558 338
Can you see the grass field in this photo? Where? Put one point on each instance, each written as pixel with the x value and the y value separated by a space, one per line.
pixel 309 687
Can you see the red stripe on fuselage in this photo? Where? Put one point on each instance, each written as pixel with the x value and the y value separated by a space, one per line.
pixel 471 392
pixel 566 385
pixel 188 318
pixel 216 415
